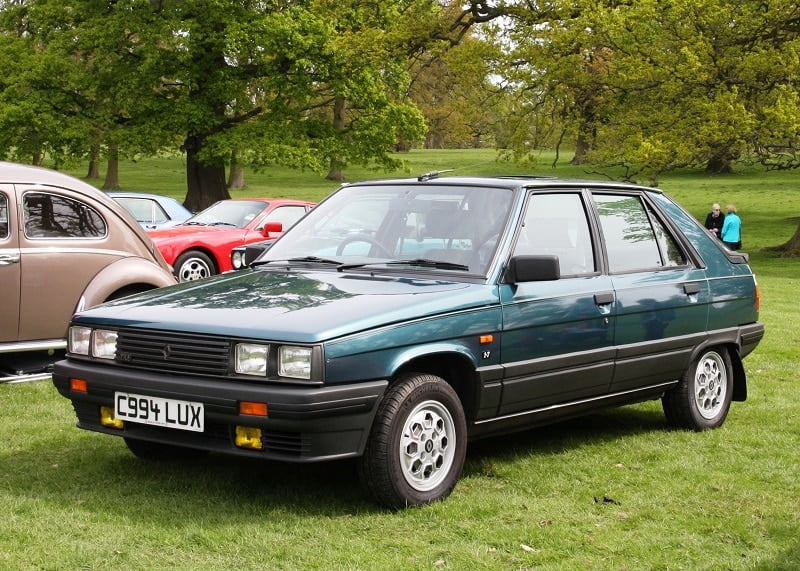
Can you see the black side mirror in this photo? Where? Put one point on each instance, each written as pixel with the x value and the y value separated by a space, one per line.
pixel 532 269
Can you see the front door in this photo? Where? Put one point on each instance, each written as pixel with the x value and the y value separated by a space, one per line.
pixel 557 342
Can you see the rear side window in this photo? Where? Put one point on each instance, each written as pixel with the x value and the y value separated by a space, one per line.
pixel 635 238
pixel 144 209
pixel 556 224
pixel 54 216
pixel 3 216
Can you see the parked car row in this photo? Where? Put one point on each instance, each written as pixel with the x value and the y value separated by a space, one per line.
pixel 399 319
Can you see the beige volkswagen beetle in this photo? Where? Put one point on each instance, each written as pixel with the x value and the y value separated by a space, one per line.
pixel 64 246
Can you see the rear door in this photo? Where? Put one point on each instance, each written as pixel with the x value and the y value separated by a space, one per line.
pixel 9 266
pixel 661 294
pixel 557 342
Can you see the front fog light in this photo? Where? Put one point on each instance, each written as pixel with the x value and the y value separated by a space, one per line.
pixel 251 359
pixel 294 362
pixel 79 338
pixel 104 344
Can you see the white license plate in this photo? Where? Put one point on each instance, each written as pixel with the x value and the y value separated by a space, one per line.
pixel 169 413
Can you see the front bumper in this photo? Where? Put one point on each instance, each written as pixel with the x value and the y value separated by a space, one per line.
pixel 304 424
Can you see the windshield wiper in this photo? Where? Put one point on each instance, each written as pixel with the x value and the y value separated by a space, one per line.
pixel 303 259
pixel 421 262
pixel 219 223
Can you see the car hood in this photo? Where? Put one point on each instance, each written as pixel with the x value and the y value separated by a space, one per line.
pixel 182 231
pixel 300 307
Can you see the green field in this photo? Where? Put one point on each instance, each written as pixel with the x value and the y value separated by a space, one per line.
pixel 616 490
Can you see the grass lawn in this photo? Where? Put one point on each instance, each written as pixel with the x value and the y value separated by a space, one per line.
pixel 616 490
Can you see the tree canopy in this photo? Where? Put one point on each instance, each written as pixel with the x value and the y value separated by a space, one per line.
pixel 648 86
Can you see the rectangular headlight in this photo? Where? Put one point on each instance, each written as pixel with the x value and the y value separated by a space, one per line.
pixel 104 344
pixel 294 362
pixel 79 339
pixel 251 359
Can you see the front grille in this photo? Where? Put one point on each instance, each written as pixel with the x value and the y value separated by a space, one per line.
pixel 173 352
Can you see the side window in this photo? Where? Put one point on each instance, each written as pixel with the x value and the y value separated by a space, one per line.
pixel 634 240
pixel 3 216
pixel 53 216
pixel 556 224
pixel 286 215
pixel 141 209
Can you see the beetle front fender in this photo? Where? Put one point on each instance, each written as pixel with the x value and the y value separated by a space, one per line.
pixel 128 274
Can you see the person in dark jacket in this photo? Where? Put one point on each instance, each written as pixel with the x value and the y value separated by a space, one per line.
pixel 715 220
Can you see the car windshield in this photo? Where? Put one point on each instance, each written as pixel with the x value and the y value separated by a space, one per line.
pixel 446 227
pixel 237 213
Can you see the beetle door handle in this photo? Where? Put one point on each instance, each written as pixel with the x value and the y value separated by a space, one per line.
pixel 6 260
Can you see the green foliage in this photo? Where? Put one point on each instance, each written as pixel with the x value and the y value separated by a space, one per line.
pixel 656 86
pixel 616 490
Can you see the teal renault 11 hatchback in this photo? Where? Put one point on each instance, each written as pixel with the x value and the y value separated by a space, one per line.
pixel 401 318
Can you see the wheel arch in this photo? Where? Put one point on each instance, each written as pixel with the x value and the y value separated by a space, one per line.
pixel 127 275
pixel 457 370
pixel 732 346
pixel 203 250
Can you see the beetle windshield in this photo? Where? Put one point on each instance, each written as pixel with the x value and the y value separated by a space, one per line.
pixel 418 225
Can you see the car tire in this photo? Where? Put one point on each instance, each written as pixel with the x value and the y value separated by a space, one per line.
pixel 194 265
pixel 703 397
pixel 418 443
pixel 158 452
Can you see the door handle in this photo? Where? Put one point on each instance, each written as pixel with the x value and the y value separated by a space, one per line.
pixel 691 288
pixel 6 260
pixel 604 298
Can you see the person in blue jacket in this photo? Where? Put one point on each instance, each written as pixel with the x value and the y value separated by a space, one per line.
pixel 731 233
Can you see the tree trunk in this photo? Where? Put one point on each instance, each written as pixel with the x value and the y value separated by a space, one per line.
pixel 721 162
pixel 94 165
pixel 112 172
pixel 790 249
pixel 236 174
pixel 205 183
pixel 582 147
pixel 336 170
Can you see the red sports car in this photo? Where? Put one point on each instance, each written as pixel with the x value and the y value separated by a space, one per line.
pixel 201 246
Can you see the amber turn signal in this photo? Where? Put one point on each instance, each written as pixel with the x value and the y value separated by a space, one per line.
pixel 78 385
pixel 253 408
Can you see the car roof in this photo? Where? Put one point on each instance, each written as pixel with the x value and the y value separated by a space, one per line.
pixel 15 173
pixel 506 181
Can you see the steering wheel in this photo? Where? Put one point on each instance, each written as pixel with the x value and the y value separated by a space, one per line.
pixel 361 237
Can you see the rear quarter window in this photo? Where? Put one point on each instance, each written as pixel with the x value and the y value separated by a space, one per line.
pixel 635 238
pixel 54 216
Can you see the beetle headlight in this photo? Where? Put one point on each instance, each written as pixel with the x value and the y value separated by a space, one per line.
pixel 104 344
pixel 251 359
pixel 79 339
pixel 294 362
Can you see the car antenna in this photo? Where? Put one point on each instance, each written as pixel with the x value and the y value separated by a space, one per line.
pixel 432 174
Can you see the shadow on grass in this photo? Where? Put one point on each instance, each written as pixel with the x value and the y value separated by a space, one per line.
pixel 594 429
pixel 76 470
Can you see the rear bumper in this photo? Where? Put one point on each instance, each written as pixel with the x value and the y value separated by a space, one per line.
pixel 305 424
pixel 749 337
